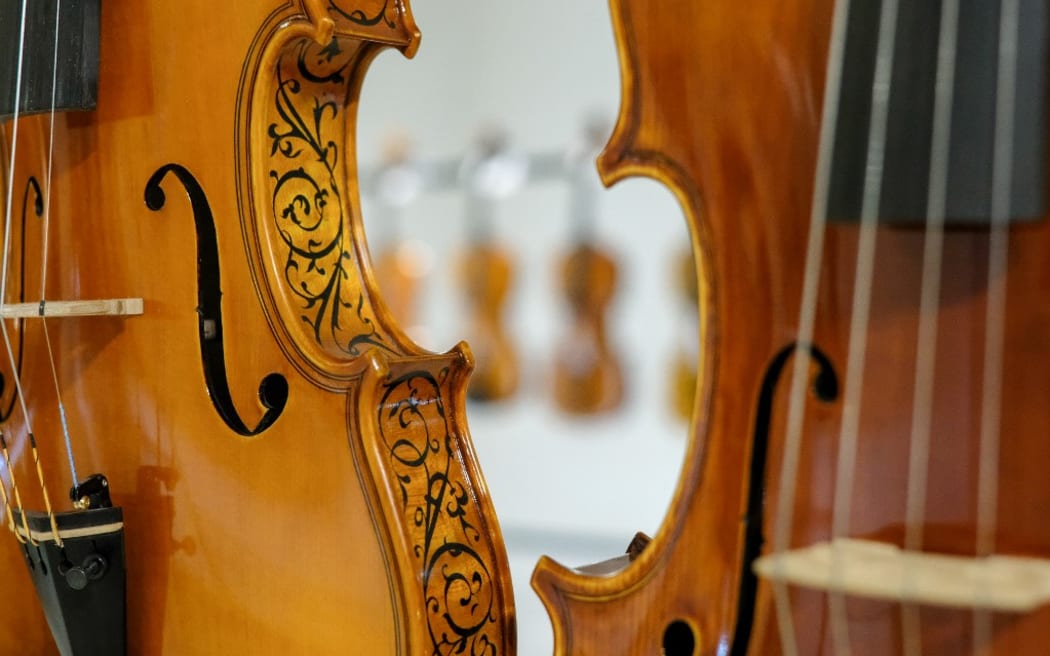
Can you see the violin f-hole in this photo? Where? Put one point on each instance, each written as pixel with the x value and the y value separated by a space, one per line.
pixel 273 390
pixel 825 387
pixel 32 187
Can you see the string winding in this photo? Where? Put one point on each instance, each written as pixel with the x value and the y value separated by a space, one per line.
pixel 995 309
pixel 807 316
pixel 919 443
pixel 4 278
pixel 932 259
pixel 46 251
pixel 9 208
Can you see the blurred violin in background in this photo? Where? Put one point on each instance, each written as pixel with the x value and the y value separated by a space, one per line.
pixel 401 263
pixel 490 173
pixel 588 378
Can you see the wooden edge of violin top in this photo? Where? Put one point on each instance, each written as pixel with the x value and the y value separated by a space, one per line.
pixel 626 156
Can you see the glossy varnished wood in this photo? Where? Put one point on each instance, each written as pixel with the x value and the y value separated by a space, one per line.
pixel 722 103
pixel 307 537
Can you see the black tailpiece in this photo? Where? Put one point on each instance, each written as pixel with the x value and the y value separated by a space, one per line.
pixel 81 584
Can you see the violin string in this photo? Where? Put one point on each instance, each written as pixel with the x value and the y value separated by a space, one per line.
pixel 8 511
pixel 856 358
pixel 4 497
pixel 807 317
pixel 3 288
pixel 46 250
pixel 17 497
pixel 926 355
pixel 13 156
pixel 995 309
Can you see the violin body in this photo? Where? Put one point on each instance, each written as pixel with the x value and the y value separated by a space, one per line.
pixel 488 274
pixel 398 277
pixel 295 475
pixel 722 103
pixel 587 375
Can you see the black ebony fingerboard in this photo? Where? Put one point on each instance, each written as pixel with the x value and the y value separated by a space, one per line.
pixel 910 128
pixel 78 41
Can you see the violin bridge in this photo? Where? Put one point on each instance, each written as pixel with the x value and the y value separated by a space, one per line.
pixel 114 307
pixel 877 570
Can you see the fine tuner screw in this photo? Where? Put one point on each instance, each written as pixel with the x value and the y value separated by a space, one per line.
pixel 92 569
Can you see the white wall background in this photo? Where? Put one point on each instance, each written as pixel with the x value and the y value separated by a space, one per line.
pixel 574 489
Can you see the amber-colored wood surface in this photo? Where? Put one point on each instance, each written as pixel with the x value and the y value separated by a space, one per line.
pixel 722 103
pixel 358 523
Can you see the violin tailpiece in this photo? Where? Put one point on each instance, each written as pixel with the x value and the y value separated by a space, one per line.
pixel 81 584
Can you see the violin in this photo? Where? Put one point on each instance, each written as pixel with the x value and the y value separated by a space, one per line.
pixel 258 459
pixel 865 188
pixel 401 264
pixel 587 374
pixel 487 272
pixel 486 268
pixel 588 377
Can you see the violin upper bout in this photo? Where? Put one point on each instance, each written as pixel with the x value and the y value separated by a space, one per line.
pixel 299 199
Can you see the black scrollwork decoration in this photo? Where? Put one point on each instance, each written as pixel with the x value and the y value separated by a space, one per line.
pixel 32 188
pixel 308 201
pixel 273 391
pixel 825 388
pixel 457 583
pixel 359 17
